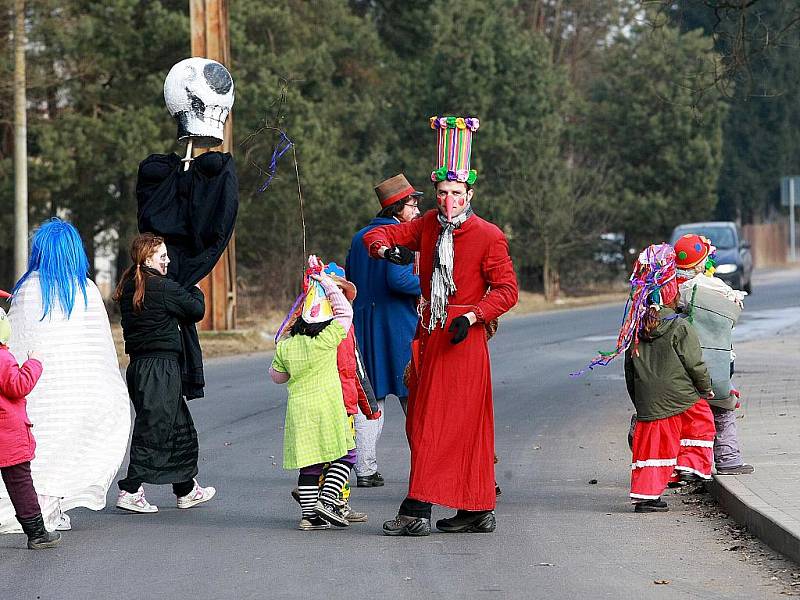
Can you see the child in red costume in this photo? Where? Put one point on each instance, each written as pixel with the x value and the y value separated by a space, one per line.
pixel 668 383
pixel 16 439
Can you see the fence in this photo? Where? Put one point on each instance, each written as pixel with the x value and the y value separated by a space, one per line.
pixel 769 243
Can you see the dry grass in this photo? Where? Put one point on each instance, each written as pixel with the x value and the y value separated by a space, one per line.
pixel 533 303
pixel 256 335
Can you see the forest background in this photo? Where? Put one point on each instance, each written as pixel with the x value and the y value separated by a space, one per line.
pixel 621 117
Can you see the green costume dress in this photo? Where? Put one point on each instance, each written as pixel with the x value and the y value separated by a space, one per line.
pixel 316 429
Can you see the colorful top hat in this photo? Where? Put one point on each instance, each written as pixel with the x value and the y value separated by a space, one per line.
pixel 691 250
pixel 394 189
pixel 455 147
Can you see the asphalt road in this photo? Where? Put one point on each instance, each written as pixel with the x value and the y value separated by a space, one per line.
pixel 558 535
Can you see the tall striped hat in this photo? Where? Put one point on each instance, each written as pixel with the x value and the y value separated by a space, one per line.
pixel 454 148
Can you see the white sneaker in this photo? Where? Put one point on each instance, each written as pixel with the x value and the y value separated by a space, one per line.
pixel 197 496
pixel 64 523
pixel 135 502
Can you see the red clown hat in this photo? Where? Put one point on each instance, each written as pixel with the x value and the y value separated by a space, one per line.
pixel 691 250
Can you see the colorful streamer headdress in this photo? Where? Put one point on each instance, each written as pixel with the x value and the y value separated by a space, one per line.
pixel 652 284
pixel 454 149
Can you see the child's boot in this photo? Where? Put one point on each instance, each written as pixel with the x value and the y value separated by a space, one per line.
pixel 38 537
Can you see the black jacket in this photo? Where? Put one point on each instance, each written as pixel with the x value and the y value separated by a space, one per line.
pixel 156 327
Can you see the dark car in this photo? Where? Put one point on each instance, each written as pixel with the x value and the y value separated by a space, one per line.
pixel 734 259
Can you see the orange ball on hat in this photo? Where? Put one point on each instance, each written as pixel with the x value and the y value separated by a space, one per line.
pixel 691 250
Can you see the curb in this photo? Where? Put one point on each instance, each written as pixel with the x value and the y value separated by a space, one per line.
pixel 779 530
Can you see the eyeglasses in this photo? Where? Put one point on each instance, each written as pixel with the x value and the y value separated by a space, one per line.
pixel 412 204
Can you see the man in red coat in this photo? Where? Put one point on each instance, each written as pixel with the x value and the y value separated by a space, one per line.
pixel 467 279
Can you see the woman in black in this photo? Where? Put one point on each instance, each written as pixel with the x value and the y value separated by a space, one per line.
pixel 164 444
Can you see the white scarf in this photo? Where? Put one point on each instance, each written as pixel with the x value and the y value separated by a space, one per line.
pixel 442 284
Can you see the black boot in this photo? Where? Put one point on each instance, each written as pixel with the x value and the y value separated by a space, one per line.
pixel 468 521
pixel 38 537
pixel 657 505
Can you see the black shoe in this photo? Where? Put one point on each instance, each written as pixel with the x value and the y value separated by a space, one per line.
pixel 374 480
pixel 38 537
pixel 331 512
pixel 657 505
pixel 467 521
pixel 405 525
pixel 688 477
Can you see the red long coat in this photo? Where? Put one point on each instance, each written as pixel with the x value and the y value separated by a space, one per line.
pixel 450 423
pixel 16 441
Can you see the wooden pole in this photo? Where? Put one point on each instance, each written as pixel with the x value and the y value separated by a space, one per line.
pixel 20 144
pixel 210 39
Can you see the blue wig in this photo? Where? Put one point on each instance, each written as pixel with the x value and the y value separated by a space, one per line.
pixel 57 254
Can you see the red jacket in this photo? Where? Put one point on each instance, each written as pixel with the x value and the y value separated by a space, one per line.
pixel 356 388
pixel 16 440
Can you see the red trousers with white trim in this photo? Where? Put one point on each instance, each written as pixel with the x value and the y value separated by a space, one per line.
pixel 665 447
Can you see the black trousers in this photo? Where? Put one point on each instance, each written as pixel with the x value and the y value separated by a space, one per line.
pixel 179 489
pixel 415 508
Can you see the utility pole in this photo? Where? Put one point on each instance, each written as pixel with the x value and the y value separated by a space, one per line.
pixel 210 39
pixel 20 145
pixel 792 241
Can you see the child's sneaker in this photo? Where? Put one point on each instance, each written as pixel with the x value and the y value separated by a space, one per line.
pixel 351 515
pixel 64 523
pixel 135 502
pixel 197 496
pixel 331 512
pixel 314 523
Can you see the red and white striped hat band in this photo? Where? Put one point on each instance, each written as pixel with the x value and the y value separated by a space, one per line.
pixel 454 149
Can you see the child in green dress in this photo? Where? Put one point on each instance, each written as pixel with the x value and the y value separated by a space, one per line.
pixel 316 429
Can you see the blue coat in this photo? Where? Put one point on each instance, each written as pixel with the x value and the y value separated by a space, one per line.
pixel 384 313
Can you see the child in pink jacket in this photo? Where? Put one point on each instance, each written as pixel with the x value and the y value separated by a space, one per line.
pixel 16 440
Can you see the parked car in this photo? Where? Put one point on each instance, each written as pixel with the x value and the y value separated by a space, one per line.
pixel 734 259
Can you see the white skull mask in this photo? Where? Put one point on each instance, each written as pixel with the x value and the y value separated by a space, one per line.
pixel 199 95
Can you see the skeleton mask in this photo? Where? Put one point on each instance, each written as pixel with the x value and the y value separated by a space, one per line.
pixel 199 95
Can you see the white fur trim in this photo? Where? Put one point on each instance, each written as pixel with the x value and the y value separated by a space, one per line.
pixel 643 497
pixel 691 470
pixel 700 443
pixel 654 462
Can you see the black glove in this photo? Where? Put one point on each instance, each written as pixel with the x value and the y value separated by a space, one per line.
pixel 459 327
pixel 399 255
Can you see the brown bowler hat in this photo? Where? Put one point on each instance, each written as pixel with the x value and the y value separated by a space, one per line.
pixel 394 189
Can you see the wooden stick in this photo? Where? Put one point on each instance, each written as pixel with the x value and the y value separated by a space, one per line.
pixel 186 160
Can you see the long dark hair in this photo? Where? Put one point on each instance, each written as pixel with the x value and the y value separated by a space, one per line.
pixel 143 246
pixel 301 327
pixel 652 319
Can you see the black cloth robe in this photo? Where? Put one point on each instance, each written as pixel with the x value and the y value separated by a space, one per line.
pixel 195 211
